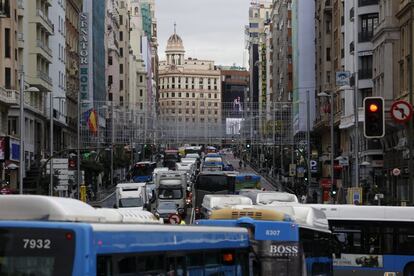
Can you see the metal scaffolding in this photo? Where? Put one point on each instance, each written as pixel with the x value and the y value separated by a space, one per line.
pixel 103 123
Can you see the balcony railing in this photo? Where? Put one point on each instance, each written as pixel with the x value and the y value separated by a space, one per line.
pixel 20 37
pixel 8 96
pixel 367 2
pixel 45 19
pixel 43 46
pixel 364 74
pixel 44 76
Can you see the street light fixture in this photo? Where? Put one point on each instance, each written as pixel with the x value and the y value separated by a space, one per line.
pixel 22 126
pixel 331 95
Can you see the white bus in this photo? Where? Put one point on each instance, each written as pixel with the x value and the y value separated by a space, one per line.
pixel 374 240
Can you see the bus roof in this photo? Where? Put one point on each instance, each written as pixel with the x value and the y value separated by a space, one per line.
pixel 127 215
pixel 304 215
pixel 44 208
pixel 223 201
pixel 158 238
pixel 364 212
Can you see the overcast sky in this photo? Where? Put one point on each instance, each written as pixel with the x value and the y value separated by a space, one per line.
pixel 210 29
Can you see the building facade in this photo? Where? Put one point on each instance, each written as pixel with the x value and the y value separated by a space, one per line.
pixel 10 53
pixel 190 97
pixel 61 137
pixel 112 37
pixel 73 9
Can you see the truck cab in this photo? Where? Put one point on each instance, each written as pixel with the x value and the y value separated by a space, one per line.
pixel 131 196
pixel 171 188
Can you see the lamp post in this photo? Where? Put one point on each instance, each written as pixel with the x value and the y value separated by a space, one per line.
pixel 331 95
pixel 22 126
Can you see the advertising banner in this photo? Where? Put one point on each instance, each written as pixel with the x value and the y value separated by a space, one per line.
pixel 359 260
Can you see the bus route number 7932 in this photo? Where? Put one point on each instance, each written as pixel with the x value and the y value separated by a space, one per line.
pixel 36 243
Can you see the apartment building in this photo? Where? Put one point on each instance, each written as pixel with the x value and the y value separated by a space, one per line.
pixel 72 11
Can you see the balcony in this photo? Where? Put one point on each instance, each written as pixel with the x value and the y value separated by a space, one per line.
pixel 44 76
pixel 8 97
pixel 362 3
pixel 20 40
pixel 45 21
pixel 364 74
pixel 365 36
pixel 44 47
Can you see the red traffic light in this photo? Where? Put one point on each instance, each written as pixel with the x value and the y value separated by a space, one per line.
pixel 373 107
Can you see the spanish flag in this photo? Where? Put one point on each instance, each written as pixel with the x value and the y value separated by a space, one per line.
pixel 92 122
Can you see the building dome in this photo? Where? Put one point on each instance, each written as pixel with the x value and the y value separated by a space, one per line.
pixel 175 44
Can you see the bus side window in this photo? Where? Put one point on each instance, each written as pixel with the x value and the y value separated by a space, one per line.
pixel 104 266
pixel 405 241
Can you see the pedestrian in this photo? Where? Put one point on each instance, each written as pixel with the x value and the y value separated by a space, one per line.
pixel 244 164
pixel 240 164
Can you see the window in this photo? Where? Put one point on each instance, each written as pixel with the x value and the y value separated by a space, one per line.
pixel 140 92
pixel 140 79
pixel 7 48
pixel 7 78
pixel 328 54
pixel 121 85
pixel 365 71
pixel 121 36
pixel 121 52
pixel 121 68
pixel 110 80
pixel 12 126
pixel 121 20
pixel 368 23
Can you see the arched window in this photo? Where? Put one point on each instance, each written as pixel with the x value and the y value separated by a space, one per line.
pixel 136 10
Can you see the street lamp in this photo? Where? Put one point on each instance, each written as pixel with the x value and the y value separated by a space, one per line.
pixel 22 126
pixel 331 95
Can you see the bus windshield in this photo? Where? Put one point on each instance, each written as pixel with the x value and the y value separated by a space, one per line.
pixel 131 202
pixel 35 251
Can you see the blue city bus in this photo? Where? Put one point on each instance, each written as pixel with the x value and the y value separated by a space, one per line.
pixel 143 171
pixel 61 237
pixel 246 181
pixel 284 242
pixel 373 240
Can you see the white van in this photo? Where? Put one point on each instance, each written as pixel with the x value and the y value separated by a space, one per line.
pixel 214 202
pixel 131 195
pixel 260 197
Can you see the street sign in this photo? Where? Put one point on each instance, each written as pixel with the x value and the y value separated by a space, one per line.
pixel 396 172
pixel 355 195
pixel 401 111
pixel 174 219
pixel 344 161
pixel 314 166
pixel 343 78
